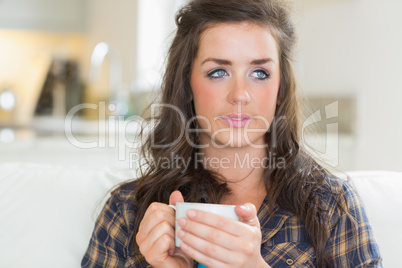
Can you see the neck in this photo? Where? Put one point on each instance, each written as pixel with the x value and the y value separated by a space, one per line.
pixel 243 170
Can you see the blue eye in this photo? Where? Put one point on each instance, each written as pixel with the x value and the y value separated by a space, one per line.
pixel 260 74
pixel 218 73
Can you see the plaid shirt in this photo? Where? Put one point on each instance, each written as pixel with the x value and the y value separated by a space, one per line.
pixel 284 238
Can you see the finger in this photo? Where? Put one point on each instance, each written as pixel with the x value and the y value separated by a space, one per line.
pixel 175 197
pixel 149 222
pixel 164 230
pixel 156 206
pixel 200 257
pixel 206 247
pixel 227 225
pixel 155 214
pixel 248 214
pixel 208 233
pixel 159 249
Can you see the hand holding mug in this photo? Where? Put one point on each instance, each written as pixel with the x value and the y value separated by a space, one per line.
pixel 155 236
pixel 217 241
pixel 181 209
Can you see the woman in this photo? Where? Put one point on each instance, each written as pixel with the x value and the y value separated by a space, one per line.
pixel 229 124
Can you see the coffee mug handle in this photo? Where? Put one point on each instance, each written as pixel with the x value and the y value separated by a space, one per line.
pixel 173 206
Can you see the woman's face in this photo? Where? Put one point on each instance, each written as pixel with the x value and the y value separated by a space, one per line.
pixel 235 81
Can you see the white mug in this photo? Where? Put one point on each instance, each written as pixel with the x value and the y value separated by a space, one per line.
pixel 182 207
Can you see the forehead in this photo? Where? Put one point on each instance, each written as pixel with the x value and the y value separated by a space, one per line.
pixel 231 38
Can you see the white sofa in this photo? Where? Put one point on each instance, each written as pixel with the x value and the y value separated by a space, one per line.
pixel 47 212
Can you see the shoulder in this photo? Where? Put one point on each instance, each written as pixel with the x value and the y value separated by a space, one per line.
pixel 122 202
pixel 339 197
pixel 119 210
pixel 351 236
pixel 337 187
pixel 125 192
pixel 113 232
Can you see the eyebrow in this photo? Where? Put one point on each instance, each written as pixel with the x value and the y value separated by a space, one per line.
pixel 261 61
pixel 227 62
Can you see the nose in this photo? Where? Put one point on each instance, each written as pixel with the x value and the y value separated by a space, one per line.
pixel 239 92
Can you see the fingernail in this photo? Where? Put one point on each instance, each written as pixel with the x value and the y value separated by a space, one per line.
pixel 243 207
pixel 181 233
pixel 182 222
pixel 191 213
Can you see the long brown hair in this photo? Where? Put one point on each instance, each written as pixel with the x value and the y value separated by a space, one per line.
pixel 293 186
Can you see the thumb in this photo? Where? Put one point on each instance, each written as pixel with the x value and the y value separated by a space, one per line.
pixel 175 197
pixel 248 214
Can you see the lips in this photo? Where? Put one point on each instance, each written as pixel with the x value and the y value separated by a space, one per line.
pixel 237 120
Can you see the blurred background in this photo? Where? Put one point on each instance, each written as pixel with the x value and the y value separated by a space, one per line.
pixel 92 66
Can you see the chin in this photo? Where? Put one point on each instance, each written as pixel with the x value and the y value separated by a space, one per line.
pixel 227 141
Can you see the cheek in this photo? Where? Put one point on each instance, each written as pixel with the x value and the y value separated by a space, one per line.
pixel 272 93
pixel 203 96
pixel 269 95
pixel 267 101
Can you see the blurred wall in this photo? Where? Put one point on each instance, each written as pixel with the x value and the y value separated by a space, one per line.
pixel 354 48
pixel 115 24
pixel 25 58
pixel 47 15
pixel 139 30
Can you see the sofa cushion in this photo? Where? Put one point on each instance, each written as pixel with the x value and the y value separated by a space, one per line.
pixel 48 212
